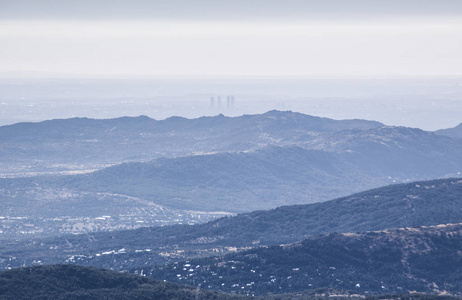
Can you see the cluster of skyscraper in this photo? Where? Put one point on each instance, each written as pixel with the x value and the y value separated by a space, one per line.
pixel 229 102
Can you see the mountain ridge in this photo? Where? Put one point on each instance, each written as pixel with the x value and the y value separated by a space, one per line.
pixel 455 132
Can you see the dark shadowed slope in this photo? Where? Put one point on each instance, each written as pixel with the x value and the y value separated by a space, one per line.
pixel 74 282
pixel 421 259
pixel 71 282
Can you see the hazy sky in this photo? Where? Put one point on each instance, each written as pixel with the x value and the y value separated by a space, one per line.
pixel 232 38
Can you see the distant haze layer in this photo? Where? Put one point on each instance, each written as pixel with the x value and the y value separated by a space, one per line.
pixel 426 103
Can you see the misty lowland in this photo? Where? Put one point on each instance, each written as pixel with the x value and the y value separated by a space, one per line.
pixel 231 150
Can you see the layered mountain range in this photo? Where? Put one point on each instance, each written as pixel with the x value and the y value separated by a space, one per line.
pixel 211 166
pixel 242 203
pixel 81 143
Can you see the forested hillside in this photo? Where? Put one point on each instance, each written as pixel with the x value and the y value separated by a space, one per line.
pixel 71 282
pixel 74 282
pixel 421 259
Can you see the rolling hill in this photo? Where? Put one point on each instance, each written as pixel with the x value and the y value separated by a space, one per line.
pixel 276 176
pixel 414 204
pixel 233 182
pixel 198 188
